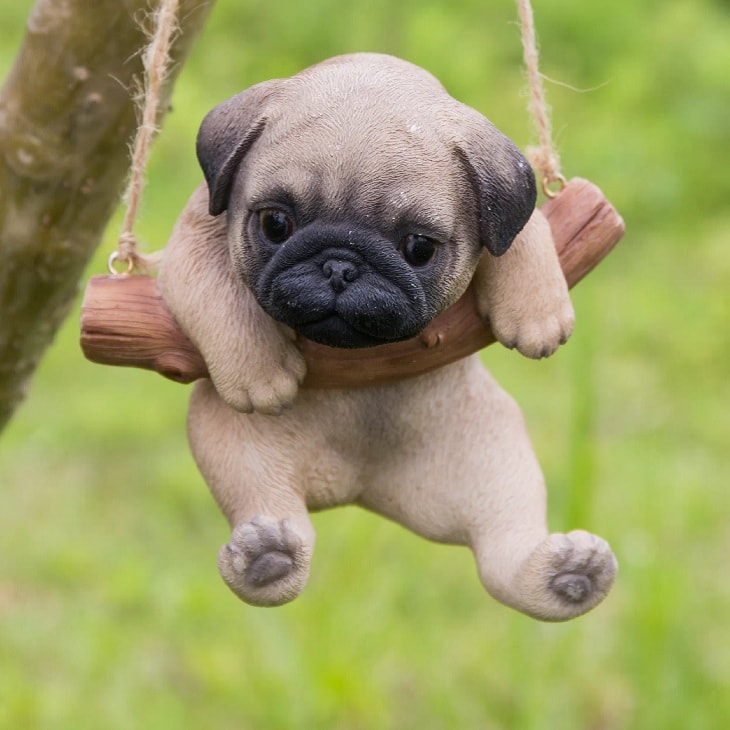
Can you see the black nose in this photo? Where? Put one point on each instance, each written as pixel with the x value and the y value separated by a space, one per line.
pixel 340 273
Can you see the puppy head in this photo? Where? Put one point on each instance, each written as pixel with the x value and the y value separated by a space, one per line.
pixel 360 196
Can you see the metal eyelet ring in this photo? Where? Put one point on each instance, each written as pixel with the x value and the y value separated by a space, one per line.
pixel 547 182
pixel 114 258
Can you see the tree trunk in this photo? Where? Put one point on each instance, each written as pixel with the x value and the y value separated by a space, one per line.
pixel 66 122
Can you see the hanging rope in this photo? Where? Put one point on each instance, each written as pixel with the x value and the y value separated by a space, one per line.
pixel 544 158
pixel 156 61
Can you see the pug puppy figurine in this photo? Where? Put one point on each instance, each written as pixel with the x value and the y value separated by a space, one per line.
pixel 351 204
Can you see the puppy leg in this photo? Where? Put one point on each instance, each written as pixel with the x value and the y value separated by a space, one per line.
pixel 253 479
pixel 523 294
pixel 253 361
pixel 552 577
pixel 472 478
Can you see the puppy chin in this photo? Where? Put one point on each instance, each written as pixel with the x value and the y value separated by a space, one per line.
pixel 335 332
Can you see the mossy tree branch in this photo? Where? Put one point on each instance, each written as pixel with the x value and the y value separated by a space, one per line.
pixel 67 118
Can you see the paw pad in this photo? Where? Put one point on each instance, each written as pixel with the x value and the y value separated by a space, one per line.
pixel 571 586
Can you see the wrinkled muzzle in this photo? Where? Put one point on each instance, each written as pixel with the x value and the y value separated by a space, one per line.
pixel 342 288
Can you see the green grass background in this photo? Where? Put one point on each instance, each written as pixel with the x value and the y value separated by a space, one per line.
pixel 112 614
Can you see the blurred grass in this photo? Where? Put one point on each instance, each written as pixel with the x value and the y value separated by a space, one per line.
pixel 111 611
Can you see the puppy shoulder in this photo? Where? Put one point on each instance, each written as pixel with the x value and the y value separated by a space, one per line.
pixel 197 247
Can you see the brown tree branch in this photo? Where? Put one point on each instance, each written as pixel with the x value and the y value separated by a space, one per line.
pixel 66 121
pixel 125 321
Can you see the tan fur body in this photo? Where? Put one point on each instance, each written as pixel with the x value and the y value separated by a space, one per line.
pixel 445 454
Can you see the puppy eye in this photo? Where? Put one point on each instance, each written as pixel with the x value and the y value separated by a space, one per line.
pixel 417 250
pixel 275 224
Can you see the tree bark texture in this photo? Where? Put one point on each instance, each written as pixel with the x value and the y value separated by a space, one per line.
pixel 67 119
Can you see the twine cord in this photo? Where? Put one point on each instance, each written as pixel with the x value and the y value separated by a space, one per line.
pixel 156 62
pixel 544 158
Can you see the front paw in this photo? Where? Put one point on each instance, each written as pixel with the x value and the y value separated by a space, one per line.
pixel 536 334
pixel 523 294
pixel 266 562
pixel 260 383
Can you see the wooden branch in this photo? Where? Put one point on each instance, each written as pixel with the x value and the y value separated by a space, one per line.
pixel 124 319
pixel 66 119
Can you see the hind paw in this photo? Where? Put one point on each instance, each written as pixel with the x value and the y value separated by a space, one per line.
pixel 567 575
pixel 266 563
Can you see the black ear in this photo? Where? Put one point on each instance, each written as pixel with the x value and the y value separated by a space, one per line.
pixel 502 179
pixel 226 134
